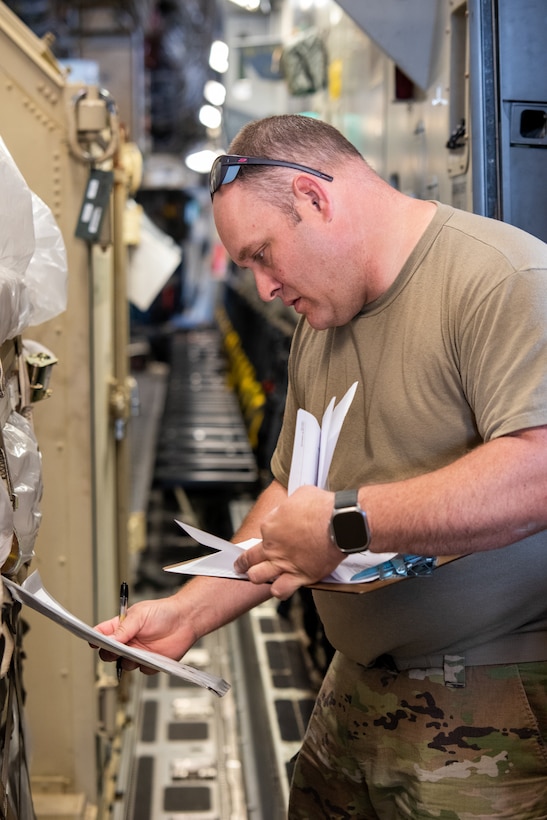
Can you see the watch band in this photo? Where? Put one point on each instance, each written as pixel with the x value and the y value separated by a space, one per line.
pixel 346 498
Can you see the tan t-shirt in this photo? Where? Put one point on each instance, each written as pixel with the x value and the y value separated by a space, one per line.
pixel 453 354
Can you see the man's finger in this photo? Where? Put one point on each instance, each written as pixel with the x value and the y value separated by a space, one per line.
pixel 285 586
pixel 248 558
pixel 241 564
pixel 106 655
pixel 263 573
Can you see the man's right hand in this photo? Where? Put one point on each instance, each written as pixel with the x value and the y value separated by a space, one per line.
pixel 155 626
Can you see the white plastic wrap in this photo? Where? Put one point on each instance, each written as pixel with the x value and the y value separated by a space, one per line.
pixel 6 524
pixel 33 270
pixel 25 466
pixel 14 302
pixel 33 289
pixel 46 275
pixel 16 220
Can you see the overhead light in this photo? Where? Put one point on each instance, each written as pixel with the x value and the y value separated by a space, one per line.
pixel 218 57
pixel 248 5
pixel 209 116
pixel 214 92
pixel 201 161
pixel 335 15
pixel 242 90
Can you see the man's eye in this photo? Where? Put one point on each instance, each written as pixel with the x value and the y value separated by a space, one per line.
pixel 259 256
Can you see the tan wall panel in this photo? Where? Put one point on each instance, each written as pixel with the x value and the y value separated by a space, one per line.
pixel 60 676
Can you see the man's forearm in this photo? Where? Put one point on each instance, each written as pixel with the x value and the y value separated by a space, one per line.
pixel 494 496
pixel 214 602
pixel 209 603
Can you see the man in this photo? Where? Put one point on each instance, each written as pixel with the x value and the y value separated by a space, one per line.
pixel 435 704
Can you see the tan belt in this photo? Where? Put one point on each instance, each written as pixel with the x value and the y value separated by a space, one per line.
pixel 525 647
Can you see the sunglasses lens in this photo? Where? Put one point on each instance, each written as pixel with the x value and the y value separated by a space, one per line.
pixel 229 173
pixel 221 175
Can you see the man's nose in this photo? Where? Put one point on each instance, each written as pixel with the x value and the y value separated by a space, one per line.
pixel 268 287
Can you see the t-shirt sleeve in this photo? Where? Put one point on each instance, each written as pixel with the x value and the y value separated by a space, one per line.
pixel 504 356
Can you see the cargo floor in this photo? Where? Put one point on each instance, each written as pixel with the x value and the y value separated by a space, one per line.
pixel 185 753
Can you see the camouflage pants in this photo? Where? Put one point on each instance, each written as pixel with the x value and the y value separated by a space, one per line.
pixel 386 745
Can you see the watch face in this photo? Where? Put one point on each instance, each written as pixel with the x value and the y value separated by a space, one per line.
pixel 350 530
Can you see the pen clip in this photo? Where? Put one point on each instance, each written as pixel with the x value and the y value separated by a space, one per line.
pixel 124 599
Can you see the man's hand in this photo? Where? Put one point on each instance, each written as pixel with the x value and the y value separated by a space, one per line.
pixel 151 625
pixel 296 549
pixel 170 626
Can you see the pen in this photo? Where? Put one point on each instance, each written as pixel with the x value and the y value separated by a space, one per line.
pixel 124 597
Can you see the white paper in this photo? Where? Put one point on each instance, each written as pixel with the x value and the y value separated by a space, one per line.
pixel 217 565
pixel 151 263
pixel 305 454
pixel 221 564
pixel 312 454
pixel 33 593
pixel 314 445
pixel 330 430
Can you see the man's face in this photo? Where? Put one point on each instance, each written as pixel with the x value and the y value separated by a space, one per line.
pixel 301 263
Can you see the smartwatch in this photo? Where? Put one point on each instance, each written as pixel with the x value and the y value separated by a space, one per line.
pixel 348 525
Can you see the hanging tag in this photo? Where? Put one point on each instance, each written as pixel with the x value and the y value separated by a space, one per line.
pixel 96 198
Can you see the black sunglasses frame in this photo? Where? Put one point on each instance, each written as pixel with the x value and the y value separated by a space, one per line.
pixel 233 162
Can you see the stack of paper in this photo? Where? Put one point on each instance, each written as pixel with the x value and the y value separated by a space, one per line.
pixel 313 449
pixel 33 593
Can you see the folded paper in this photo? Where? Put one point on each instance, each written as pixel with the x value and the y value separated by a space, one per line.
pixel 33 593
pixel 313 449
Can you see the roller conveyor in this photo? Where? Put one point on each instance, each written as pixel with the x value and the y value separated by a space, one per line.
pixel 203 442
pixel 186 754
pixel 189 755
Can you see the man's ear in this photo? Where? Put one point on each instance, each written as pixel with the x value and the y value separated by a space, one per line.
pixel 310 191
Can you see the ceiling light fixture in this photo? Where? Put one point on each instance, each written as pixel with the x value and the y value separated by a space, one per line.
pixel 248 5
pixel 201 161
pixel 209 116
pixel 214 92
pixel 218 57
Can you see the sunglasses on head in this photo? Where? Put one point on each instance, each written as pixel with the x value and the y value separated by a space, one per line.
pixel 226 167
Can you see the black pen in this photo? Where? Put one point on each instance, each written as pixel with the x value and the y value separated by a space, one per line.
pixel 124 599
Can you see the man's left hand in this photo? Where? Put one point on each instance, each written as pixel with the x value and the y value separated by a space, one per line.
pixel 296 549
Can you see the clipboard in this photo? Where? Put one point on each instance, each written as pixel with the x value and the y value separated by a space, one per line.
pixel 371 586
pixel 220 564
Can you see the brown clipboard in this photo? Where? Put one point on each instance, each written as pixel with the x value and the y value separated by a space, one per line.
pixel 371 586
